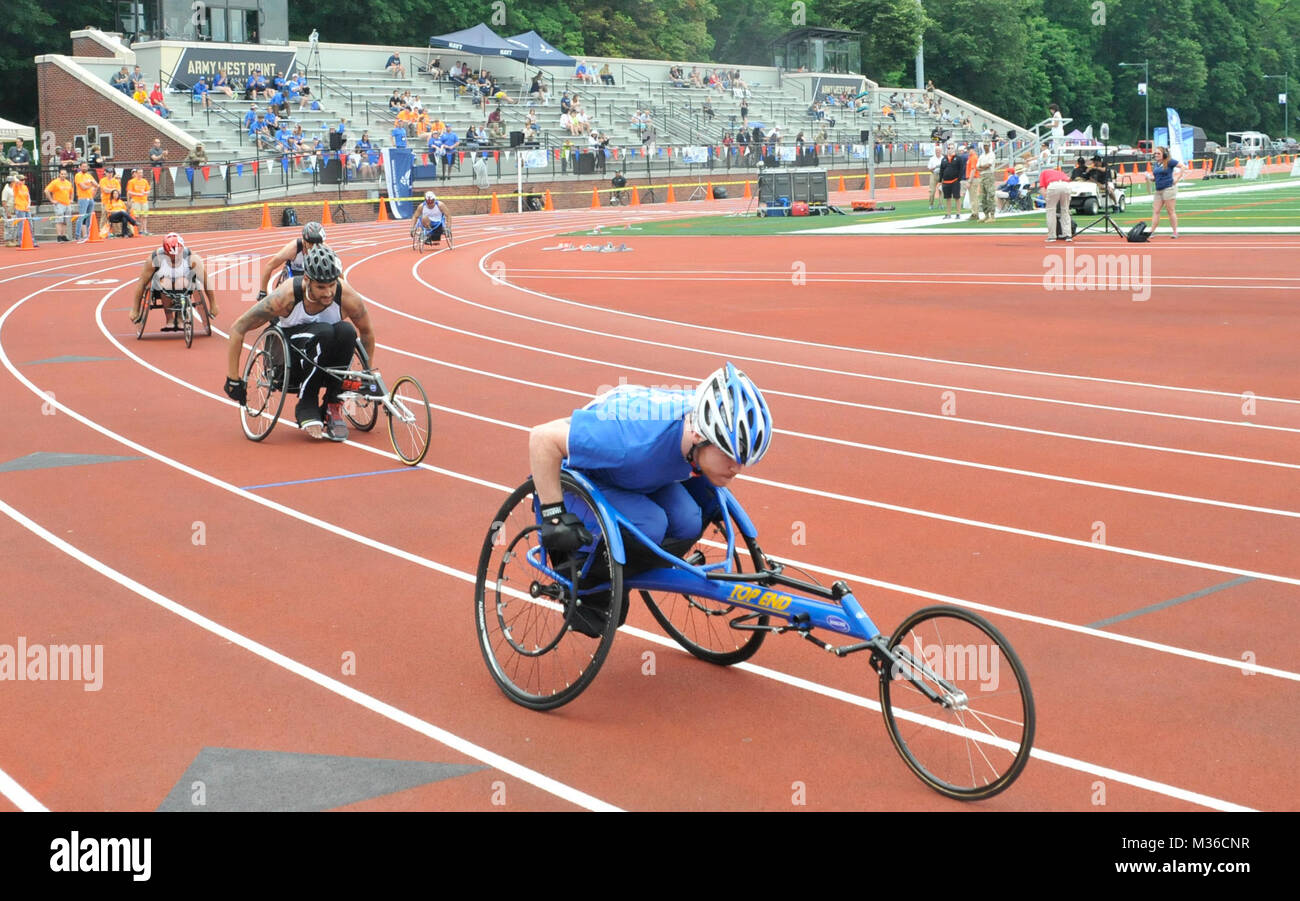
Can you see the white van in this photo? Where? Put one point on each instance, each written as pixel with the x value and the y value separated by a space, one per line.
pixel 1249 143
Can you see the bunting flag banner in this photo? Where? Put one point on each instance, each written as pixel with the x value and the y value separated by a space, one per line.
pixel 254 167
pixel 496 156
pixel 99 174
pixel 189 173
pixel 157 174
pixel 424 159
pixel 207 171
pixel 223 168
pixel 239 169
pixel 173 171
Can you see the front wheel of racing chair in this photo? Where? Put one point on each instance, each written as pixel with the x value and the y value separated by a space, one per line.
pixel 525 602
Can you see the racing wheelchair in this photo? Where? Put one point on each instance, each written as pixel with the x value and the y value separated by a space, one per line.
pixel 270 376
pixel 181 303
pixel 955 698
pixel 418 242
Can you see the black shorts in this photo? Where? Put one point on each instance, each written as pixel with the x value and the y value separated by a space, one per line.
pixel 952 190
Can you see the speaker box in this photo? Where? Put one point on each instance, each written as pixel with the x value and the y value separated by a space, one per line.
pixel 1011 134
pixel 332 174
pixel 516 138
pixel 336 140
pixel 865 136
pixel 584 163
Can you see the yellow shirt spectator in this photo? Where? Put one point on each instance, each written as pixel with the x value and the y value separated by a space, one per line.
pixel 86 184
pixel 140 96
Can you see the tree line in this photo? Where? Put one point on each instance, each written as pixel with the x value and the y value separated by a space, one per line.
pixel 1207 58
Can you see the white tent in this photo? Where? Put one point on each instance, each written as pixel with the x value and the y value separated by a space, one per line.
pixel 12 131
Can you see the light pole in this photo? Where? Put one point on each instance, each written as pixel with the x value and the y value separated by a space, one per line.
pixel 1286 106
pixel 1146 93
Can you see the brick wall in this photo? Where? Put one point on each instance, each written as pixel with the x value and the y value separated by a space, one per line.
pixel 67 106
pixel 84 46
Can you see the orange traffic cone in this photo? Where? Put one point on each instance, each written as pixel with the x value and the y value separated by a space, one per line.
pixel 636 197
pixel 496 205
pixel 866 182
pixel 266 216
pixel 595 198
pixel 670 198
pixel 749 193
pixel 383 210
pixel 916 179
pixel 326 217
pixel 27 243
pixel 841 182
pixel 549 205
pixel 892 182
pixel 92 237
pixel 709 196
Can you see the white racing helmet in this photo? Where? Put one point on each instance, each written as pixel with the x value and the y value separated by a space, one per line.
pixel 732 415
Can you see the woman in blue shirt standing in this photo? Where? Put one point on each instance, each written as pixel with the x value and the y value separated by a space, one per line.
pixel 1166 173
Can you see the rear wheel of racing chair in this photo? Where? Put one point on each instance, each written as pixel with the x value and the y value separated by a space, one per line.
pixel 417 239
pixel 410 425
pixel 204 314
pixel 524 615
pixel 446 234
pixel 146 304
pixel 701 625
pixel 185 313
pixel 266 375
pixel 361 411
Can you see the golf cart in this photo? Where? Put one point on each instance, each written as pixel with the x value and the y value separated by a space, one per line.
pixel 1087 200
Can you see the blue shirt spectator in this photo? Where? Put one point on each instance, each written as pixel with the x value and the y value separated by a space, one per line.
pixel 399 136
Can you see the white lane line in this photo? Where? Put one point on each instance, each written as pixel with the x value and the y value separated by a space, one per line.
pixel 855 350
pixel 21 797
pixel 918 592
pixel 343 690
pixel 812 278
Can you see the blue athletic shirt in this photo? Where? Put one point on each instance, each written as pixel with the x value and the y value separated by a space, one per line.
pixel 1164 175
pixel 631 438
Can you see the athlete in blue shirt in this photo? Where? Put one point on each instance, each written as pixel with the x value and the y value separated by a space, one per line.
pixel 653 454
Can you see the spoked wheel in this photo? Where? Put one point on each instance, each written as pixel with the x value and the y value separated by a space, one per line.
pixel 417 239
pixel 360 410
pixel 205 317
pixel 145 304
pixel 701 625
pixel 446 234
pixel 409 428
pixel 266 374
pixel 525 618
pixel 975 739
pixel 186 314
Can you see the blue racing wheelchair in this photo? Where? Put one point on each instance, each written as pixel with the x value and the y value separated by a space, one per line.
pixel 955 697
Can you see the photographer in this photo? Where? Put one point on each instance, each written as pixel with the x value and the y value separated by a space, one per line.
pixel 599 142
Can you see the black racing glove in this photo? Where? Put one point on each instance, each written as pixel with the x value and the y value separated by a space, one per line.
pixel 237 390
pixel 562 531
pixel 261 295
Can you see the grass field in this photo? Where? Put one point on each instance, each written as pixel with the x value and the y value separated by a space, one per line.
pixel 1273 201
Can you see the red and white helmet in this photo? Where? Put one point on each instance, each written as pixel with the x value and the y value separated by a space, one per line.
pixel 172 243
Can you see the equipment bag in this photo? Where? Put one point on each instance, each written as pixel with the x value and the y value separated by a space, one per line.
pixel 1138 234
pixel 289 216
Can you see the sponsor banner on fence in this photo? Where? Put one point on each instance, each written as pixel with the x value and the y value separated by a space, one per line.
pixel 397 177
pixel 200 62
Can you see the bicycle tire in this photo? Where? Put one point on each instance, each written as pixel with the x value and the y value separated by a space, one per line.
pixel 532 652
pixel 952 747
pixel 361 411
pixel 703 627
pixel 145 304
pixel 187 323
pixel 266 374
pixel 410 438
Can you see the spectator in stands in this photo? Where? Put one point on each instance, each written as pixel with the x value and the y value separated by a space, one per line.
pixel 108 182
pixel 696 80
pixel 221 85
pixel 157 103
pixel 122 81
pixel 435 69
pixel 583 74
pixel 1009 191
pixel 398 135
pixel 707 110
pixel 565 103
pixel 59 193
pixel 606 76
pixel 250 117
pixel 496 124
pixel 456 75
pixel 137 196
pixel 272 122
pixel 676 77
pixel 115 213
pixel 888 112
pixel 744 114
pixel 200 92
pixel 477 136
pixel 138 80
pixel 68 157
pixel 196 158
pixel 140 96
pixel 394 66
pixel 450 150
pixel 365 169
pixel 95 158
pixel 279 103
pixel 1057 126
pixel 86 188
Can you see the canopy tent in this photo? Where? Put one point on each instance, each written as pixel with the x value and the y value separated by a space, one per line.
pixel 12 131
pixel 540 53
pixel 479 41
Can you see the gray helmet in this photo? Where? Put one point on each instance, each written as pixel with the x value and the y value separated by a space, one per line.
pixel 321 264
pixel 313 233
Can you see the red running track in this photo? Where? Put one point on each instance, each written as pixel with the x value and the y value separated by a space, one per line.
pixel 948 428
